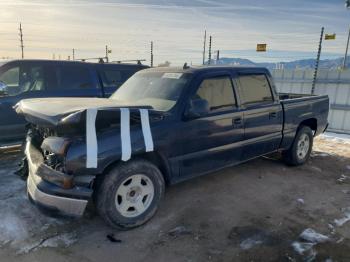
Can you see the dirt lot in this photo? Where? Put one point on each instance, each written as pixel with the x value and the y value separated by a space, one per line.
pixel 253 212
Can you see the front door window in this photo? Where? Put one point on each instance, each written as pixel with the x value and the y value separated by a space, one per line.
pixel 19 79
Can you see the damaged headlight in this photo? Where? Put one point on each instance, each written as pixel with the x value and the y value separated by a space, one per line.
pixel 55 145
pixel 54 150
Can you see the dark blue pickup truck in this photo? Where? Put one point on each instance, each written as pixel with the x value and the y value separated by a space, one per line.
pixel 23 79
pixel 162 126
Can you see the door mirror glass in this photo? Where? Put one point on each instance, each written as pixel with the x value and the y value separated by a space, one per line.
pixel 3 88
pixel 197 108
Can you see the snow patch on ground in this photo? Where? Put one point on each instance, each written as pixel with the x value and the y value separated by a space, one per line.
pixel 336 137
pixel 312 236
pixel 63 240
pixel 302 247
pixel 322 154
pixel 249 243
pixel 21 223
pixel 308 239
pixel 345 219
pixel 12 229
pixel 342 178
pixel 300 201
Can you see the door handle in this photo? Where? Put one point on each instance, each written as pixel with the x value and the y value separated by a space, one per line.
pixel 273 114
pixel 237 121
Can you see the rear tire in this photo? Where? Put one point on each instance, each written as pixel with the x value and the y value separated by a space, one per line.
pixel 301 148
pixel 129 194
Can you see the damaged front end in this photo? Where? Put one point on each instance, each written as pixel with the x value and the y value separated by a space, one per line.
pixel 56 149
pixel 48 184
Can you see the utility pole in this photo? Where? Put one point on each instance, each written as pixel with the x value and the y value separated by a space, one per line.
pixel 151 53
pixel 73 54
pixel 217 56
pixel 21 39
pixel 209 57
pixel 107 54
pixel 204 44
pixel 317 62
pixel 346 51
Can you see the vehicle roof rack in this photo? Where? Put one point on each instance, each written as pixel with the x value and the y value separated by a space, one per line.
pixel 138 61
pixel 186 66
pixel 101 60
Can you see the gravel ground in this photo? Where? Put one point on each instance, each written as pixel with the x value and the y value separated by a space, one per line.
pixel 259 211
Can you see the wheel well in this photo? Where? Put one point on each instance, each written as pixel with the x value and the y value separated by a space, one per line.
pixel 160 162
pixel 311 122
pixel 152 157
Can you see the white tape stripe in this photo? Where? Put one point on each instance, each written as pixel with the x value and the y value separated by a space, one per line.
pixel 91 139
pixel 125 133
pixel 146 130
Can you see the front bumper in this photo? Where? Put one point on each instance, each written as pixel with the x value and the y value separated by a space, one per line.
pixel 70 202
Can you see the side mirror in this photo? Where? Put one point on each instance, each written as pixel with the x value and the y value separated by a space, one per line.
pixel 3 88
pixel 197 108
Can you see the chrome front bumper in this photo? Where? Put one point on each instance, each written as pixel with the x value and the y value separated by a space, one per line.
pixel 58 204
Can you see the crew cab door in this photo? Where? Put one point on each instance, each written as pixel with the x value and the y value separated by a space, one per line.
pixel 212 141
pixel 262 115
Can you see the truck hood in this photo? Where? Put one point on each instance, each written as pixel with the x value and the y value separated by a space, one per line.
pixel 60 111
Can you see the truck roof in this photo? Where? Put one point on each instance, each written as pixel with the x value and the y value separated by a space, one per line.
pixel 49 61
pixel 213 68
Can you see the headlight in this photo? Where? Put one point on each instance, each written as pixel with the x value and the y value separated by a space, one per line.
pixel 56 145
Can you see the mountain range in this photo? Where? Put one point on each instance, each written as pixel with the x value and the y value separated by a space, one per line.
pixel 300 64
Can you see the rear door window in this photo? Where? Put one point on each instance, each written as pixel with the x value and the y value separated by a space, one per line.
pixel 254 88
pixel 74 77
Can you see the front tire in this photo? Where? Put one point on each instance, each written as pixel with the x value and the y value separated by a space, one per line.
pixel 301 148
pixel 129 195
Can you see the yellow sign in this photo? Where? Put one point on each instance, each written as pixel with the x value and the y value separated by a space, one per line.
pixel 261 47
pixel 329 37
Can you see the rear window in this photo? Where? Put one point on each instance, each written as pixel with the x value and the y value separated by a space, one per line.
pixel 254 88
pixel 115 77
pixel 74 77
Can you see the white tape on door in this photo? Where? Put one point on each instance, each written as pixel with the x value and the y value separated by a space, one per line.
pixel 91 139
pixel 125 133
pixel 146 130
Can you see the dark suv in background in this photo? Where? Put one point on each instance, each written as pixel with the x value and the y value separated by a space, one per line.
pixel 23 79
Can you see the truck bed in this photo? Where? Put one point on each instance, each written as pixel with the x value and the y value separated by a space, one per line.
pixel 285 96
pixel 303 107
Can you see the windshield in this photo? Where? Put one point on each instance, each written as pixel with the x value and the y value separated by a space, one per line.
pixel 159 90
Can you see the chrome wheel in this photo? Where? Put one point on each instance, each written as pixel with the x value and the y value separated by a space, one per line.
pixel 303 146
pixel 134 195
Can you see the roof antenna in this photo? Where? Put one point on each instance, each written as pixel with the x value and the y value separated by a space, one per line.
pixel 185 66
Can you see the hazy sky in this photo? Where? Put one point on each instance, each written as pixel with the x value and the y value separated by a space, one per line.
pixel 291 28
